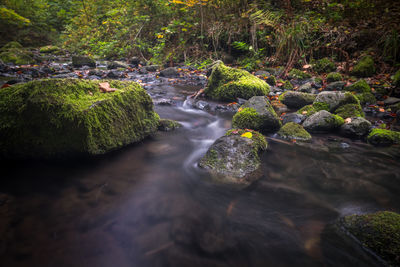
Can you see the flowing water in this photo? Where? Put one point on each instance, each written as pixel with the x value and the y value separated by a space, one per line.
pixel 150 205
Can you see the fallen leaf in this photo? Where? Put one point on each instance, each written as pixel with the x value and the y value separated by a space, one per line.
pixel 247 135
pixel 348 120
pixel 240 109
pixel 105 88
pixel 304 112
pixel 306 66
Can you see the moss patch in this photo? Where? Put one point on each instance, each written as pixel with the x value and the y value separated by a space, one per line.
pixel 50 49
pixel 360 87
pixel 293 130
pixel 63 117
pixel 307 110
pixel 298 74
pixel 350 111
pixel 381 137
pixel 318 106
pixel 379 232
pixel 259 139
pixel 396 79
pixel 365 98
pixel 364 68
pixel 17 56
pixel 324 65
pixel 166 125
pixel 80 61
pixel 287 85
pixel 334 77
pixel 247 118
pixel 11 45
pixel 227 84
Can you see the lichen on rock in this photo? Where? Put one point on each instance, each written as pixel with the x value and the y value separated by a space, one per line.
pixel 228 84
pixel 66 117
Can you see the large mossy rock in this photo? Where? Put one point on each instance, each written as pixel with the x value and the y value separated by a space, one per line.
pixel 334 77
pixel 359 87
pixel 365 67
pixel 13 52
pixel 234 158
pixel 350 111
pixel 257 114
pixel 324 65
pixel 51 49
pixel 294 131
pixel 298 75
pixel 381 137
pixel 333 100
pixel 378 232
pixel 65 117
pixel 11 45
pixel 80 61
pixel 294 99
pixel 322 122
pixel 227 84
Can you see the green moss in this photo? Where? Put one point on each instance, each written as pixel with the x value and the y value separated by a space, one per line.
pixel 271 80
pixel 293 130
pixel 50 49
pixel 287 85
pixel 364 68
pixel 247 118
pixel 298 74
pixel 166 125
pixel 350 111
pixel 11 45
pixel 259 139
pixel 80 61
pixel 365 98
pixel 307 110
pixel 360 87
pixel 396 79
pixel 318 80
pixel 337 120
pixel 57 117
pixel 379 232
pixel 318 106
pixel 324 65
pixel 334 77
pixel 227 83
pixel 381 137
pixel 16 56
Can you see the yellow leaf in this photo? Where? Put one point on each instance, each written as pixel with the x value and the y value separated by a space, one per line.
pixel 247 135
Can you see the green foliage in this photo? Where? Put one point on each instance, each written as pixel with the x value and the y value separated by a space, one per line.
pixel 10 18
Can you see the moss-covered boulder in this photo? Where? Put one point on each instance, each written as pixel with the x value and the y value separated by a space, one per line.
pixel 294 99
pixel 333 100
pixel 356 127
pixel 166 125
pixel 227 84
pixel 11 45
pixel 366 98
pixel 359 87
pixel 307 110
pixel 234 158
pixel 65 117
pixel 17 56
pixel 381 137
pixel 365 67
pixel 322 122
pixel 80 61
pixel 377 232
pixel 334 77
pixel 287 85
pixel 298 75
pixel 294 131
pixel 324 65
pixel 257 114
pixel 51 49
pixel 396 79
pixel 350 111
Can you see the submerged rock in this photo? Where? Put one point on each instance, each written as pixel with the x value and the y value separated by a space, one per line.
pixel 322 121
pixel 356 127
pixel 257 114
pixel 294 99
pixel 378 232
pixel 65 117
pixel 166 125
pixel 80 61
pixel 381 137
pixel 234 158
pixel 294 131
pixel 227 83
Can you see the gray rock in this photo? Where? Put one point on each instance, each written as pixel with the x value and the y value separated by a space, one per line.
pixel 294 99
pixel 80 61
pixel 322 121
pixel 117 64
pixel 335 99
pixel 163 102
pixel 358 127
pixel 152 68
pixel 143 70
pixel 96 72
pixel 391 100
pixel 114 74
pixel 233 159
pixel 293 117
pixel 135 61
pixel 203 105
pixel 262 73
pixel 306 88
pixel 336 86
pixel 169 72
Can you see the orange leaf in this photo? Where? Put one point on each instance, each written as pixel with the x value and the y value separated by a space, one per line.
pixel 105 88
pixel 348 120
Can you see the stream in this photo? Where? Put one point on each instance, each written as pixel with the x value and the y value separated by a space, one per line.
pixel 150 205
